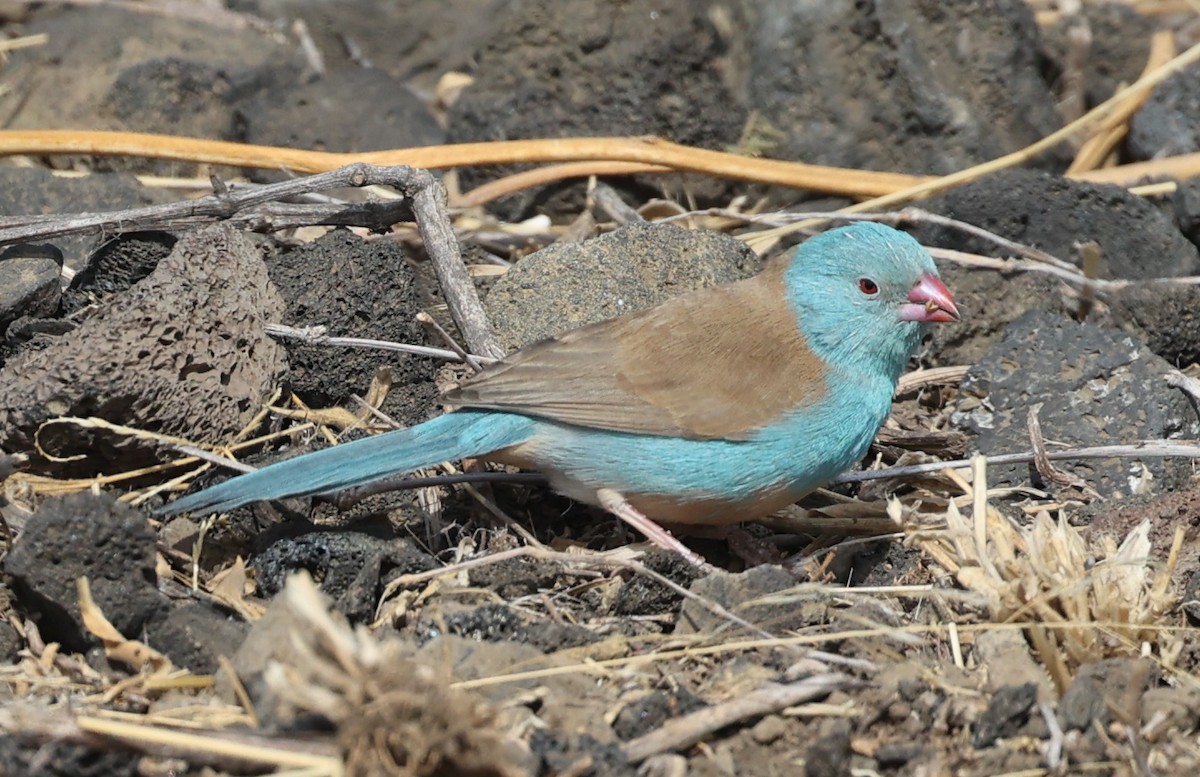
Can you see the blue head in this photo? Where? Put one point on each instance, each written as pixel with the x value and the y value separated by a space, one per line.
pixel 865 294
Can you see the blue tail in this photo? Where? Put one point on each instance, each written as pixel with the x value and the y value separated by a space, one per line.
pixel 451 436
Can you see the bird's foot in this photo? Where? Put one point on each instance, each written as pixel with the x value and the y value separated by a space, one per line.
pixel 619 506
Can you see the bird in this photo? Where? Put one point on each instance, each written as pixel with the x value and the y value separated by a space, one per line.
pixel 720 405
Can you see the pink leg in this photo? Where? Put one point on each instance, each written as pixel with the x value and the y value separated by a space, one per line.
pixel 619 506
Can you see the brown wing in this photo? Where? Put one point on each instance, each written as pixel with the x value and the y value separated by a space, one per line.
pixel 716 363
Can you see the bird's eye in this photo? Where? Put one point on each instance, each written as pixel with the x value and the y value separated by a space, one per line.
pixel 868 286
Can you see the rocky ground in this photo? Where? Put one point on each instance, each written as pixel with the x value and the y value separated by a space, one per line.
pixel 1014 618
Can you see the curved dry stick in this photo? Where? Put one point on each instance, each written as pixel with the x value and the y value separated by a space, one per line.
pixel 511 184
pixel 648 151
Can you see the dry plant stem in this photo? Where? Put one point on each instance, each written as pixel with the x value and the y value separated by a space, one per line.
pixel 1150 449
pixel 1040 460
pixel 248 206
pixel 688 730
pixel 1097 148
pixel 646 151
pixel 317 335
pixel 606 198
pixel 540 176
pixel 1079 43
pixel 226 750
pixel 471 360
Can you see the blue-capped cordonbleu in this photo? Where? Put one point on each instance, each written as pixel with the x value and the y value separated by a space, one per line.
pixel 720 405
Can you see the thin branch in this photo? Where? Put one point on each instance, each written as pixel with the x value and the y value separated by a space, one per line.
pixel 685 731
pixel 1145 449
pixel 316 335
pixel 248 206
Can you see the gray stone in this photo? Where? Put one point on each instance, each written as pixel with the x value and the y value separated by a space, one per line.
pixel 89 536
pixel 567 285
pixel 1094 386
pixel 921 87
pixel 29 283
pixel 1168 124
pixel 182 352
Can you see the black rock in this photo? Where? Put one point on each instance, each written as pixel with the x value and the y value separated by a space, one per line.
pixel 89 536
pixel 616 69
pixel 1168 124
pixel 1007 711
pixel 1098 687
pixel 895 86
pixel 355 288
pixel 29 282
pixel 352 566
pixel 1094 386
pixel 195 635
pixel 830 755
pixel 358 109
pixel 116 265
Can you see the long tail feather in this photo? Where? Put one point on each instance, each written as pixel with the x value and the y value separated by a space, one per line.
pixel 451 436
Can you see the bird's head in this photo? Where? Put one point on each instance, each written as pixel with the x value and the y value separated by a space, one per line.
pixel 865 294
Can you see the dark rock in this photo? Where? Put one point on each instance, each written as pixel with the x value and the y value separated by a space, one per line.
pixel 893 755
pixel 739 593
pixel 89 536
pixel 1168 123
pixel 352 566
pixel 1186 202
pixel 516 577
pixel 652 710
pixel 10 643
pixel 567 285
pixel 913 86
pixel 641 595
pixel 62 759
pixel 29 282
pixel 1100 688
pixel 415 41
pixel 1094 386
pixel 172 95
pixel 1189 602
pixel 35 191
pixel 31 334
pixel 355 288
pixel 557 751
pixel 501 623
pixel 194 636
pixel 988 300
pixel 105 68
pixel 1007 711
pixel 356 109
pixel 616 69
pixel 830 755
pixel 138 361
pixel 1136 239
pixel 1166 316
pixel 115 266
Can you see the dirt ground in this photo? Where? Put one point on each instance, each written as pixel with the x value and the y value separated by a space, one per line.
pixel 933 612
